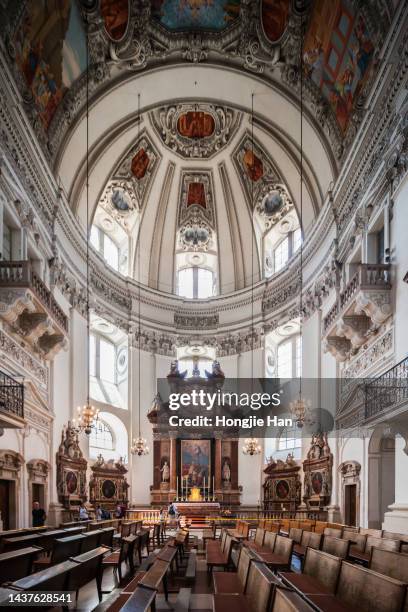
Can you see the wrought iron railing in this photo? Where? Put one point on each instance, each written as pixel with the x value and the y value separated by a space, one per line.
pixel 22 274
pixel 387 391
pixel 368 276
pixel 11 396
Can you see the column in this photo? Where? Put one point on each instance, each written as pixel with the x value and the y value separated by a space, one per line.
pixel 397 518
pixel 217 462
pixel 173 463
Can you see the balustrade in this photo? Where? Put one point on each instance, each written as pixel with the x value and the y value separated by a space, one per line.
pixel 11 396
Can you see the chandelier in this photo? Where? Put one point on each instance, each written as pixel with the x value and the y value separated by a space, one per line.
pixel 299 409
pixel 139 446
pixel 251 447
pixel 87 416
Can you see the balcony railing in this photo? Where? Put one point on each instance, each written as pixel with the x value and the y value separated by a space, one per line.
pixel 21 274
pixel 11 396
pixel 368 276
pixel 387 391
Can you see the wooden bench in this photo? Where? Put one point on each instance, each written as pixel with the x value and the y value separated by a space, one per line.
pixel 361 588
pixel 319 575
pixel 258 540
pixel 288 601
pixel 220 557
pixel 92 540
pixel 89 567
pixel 268 545
pixel 16 564
pixel 309 540
pixel 336 546
pixel 183 600
pixel 191 568
pixel 364 557
pixel 259 591
pixel 241 531
pixel 75 530
pixel 141 600
pixel 375 533
pixel 235 582
pixel 320 526
pixel 333 532
pixel 62 549
pixel 123 555
pixel 169 554
pixel 22 541
pixel 390 563
pixel 46 540
pixel 51 579
pixel 156 576
pixel 280 557
pixel 107 534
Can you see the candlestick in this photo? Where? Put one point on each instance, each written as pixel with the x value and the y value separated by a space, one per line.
pixel 204 487
pixel 177 487
pixel 213 489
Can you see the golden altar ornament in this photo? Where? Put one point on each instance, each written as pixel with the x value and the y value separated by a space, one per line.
pixel 195 495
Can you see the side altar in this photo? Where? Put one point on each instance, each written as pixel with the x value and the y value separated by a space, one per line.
pixel 193 467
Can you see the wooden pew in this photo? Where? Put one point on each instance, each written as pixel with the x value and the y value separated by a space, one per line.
pixel 258 541
pixel 364 557
pixel 92 540
pixel 333 532
pixel 375 533
pixel 123 555
pixel 235 582
pixel 319 576
pixel 220 557
pixel 16 564
pixel 51 579
pixel 107 534
pixel 142 600
pixel 361 587
pixel 309 540
pixel 155 576
pixel 280 557
pixel 269 539
pixel 75 530
pixel 288 601
pixel 23 541
pixel 336 546
pixel 169 554
pixel 89 567
pixel 390 563
pixel 63 548
pixel 259 591
pixel 46 539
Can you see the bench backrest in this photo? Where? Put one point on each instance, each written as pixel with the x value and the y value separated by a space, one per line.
pixel 390 563
pixel 17 563
pixel 66 547
pixel 88 568
pixel 334 533
pixel 284 547
pixel 309 538
pixel 259 587
pixel 295 534
pixel 391 535
pixel 373 592
pixel 228 546
pixel 270 539
pixel 155 574
pixel 382 543
pixel 306 525
pixel 107 537
pixel 244 562
pixel 320 526
pixel 223 538
pixel 274 527
pixel 288 601
pixel 376 533
pixel 92 540
pixel 244 530
pixel 322 566
pixel 51 579
pixel 358 540
pixel 125 529
pixel 259 536
pixel 336 546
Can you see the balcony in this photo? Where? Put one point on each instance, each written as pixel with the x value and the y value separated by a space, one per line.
pixel 387 392
pixel 11 402
pixel 30 309
pixel 359 311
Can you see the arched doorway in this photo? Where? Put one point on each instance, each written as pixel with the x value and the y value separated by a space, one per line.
pixel 381 475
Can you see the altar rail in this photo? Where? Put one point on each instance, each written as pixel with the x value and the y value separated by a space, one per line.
pixel 147 515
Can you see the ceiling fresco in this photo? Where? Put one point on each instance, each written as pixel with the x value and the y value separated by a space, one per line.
pixel 50 52
pixel 211 15
pixel 338 54
pixel 115 14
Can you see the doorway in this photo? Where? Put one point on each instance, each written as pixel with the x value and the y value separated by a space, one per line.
pixel 38 493
pixel 350 504
pixel 5 496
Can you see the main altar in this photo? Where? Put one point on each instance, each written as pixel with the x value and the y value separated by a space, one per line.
pixel 197 471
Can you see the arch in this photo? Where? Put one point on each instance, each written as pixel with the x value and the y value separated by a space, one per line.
pixel 381 474
pixel 119 435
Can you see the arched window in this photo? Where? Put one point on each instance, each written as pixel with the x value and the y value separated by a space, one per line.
pixel 289 439
pixel 103 370
pixel 289 358
pixel 105 246
pixel 279 251
pixel 195 283
pixel 101 438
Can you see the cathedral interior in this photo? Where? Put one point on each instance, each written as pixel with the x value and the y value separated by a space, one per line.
pixel 204 305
